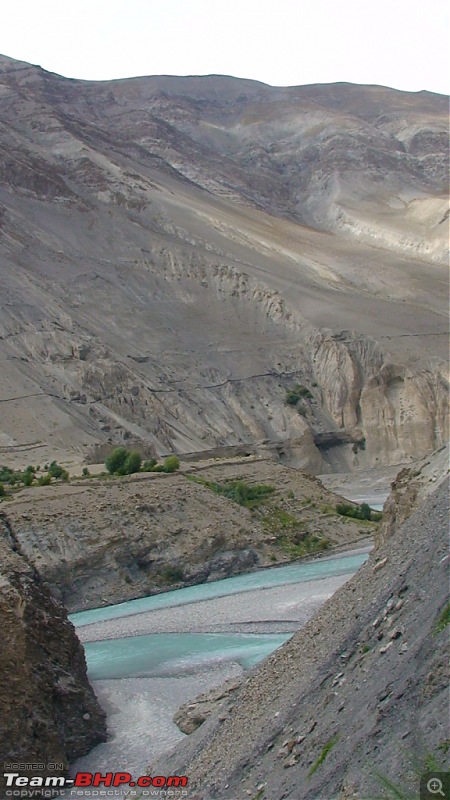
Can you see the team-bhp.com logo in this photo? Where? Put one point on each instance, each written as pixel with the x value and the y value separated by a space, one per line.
pixel 18 785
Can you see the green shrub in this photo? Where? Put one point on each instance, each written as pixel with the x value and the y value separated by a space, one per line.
pixel 358 512
pixel 291 398
pixel 246 494
pixel 171 464
pixel 296 393
pixel 2 490
pixel 44 480
pixel 148 465
pixel 5 474
pixel 28 478
pixel 444 619
pixel 55 470
pixel 159 468
pixel 132 462
pixel 116 460
pixel 365 511
pixel 85 473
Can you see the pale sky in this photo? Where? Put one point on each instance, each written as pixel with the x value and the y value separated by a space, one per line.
pixel 398 43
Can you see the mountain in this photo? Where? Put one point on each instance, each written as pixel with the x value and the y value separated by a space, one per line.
pixel 178 253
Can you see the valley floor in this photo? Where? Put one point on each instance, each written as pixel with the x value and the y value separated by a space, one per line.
pixel 140 709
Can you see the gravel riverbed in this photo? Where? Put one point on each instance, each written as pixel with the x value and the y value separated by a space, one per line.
pixel 140 710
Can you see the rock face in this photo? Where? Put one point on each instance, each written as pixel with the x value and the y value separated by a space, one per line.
pixel 410 488
pixel 102 542
pixel 360 692
pixel 191 715
pixel 48 711
pixel 177 253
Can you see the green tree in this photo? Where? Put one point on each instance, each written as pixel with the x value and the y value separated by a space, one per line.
pixel 55 470
pixel 2 490
pixel 148 465
pixel 116 460
pixel 171 464
pixel 132 462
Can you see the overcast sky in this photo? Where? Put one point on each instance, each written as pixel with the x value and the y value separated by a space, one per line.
pixel 399 43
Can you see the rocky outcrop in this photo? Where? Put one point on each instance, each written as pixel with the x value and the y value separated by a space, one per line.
pixel 191 715
pixel 398 411
pixel 353 699
pixel 411 488
pixel 48 711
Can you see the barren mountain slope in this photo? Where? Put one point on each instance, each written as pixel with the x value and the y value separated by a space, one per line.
pixel 358 696
pixel 159 280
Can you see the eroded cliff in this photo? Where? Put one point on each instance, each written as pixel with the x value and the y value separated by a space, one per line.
pixel 48 712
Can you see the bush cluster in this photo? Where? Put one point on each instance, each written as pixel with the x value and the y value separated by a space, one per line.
pixel 358 512
pixel 125 462
pixel 29 476
pixel 294 395
pixel 246 494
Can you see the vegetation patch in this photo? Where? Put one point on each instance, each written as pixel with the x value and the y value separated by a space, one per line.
pixel 123 462
pixel 13 479
pixel 363 512
pixel 278 520
pixel 294 395
pixel 308 545
pixel 443 620
pixel 126 462
pixel 245 494
pixel 325 750
pixel 292 535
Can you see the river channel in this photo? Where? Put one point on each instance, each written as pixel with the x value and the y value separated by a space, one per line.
pixel 148 656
